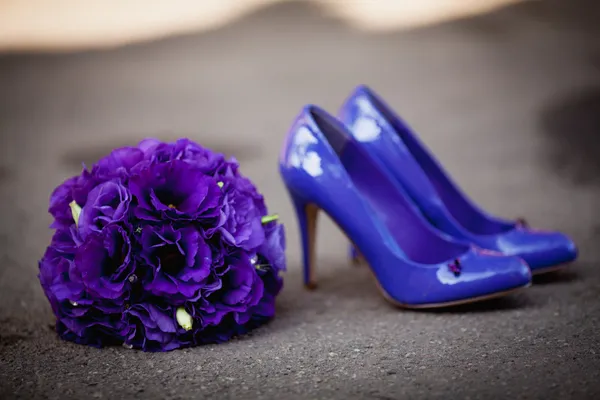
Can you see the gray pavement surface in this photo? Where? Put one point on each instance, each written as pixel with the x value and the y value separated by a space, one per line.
pixel 510 103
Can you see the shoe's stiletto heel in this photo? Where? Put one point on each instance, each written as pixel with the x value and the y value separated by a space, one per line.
pixel 387 138
pixel 307 214
pixel 324 169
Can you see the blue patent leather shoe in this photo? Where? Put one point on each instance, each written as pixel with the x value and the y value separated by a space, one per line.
pixel 386 137
pixel 324 168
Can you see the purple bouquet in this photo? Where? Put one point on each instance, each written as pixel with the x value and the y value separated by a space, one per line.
pixel 161 246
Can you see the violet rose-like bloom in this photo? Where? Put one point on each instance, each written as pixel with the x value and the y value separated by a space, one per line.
pixel 178 260
pixel 229 169
pixel 240 220
pixel 73 189
pixel 151 327
pixel 273 284
pixel 148 147
pixel 273 248
pixel 80 318
pixel 206 160
pixel 106 203
pixel 63 242
pixel 118 164
pixel 210 314
pixel 59 204
pixel 242 289
pixel 244 185
pixel 55 270
pixel 51 268
pixel 96 324
pixel 174 190
pixel 269 261
pixel 185 150
pixel 103 264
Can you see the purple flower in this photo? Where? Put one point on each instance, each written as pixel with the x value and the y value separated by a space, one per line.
pixel 104 263
pixel 63 242
pixel 273 248
pixel 240 223
pixel 118 164
pixel 174 190
pixel 271 260
pixel 229 169
pixel 106 203
pixel 273 285
pixel 185 150
pixel 148 147
pixel 80 319
pixel 179 262
pixel 150 327
pixel 55 270
pixel 95 325
pixel 52 267
pixel 243 286
pixel 242 289
pixel 73 189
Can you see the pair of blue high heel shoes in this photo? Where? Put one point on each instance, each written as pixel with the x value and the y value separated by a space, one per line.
pixel 427 244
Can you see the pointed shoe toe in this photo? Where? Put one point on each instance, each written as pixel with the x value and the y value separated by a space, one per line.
pixel 543 251
pixel 472 277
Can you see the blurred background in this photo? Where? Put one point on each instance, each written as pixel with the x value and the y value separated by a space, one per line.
pixel 505 92
pixel 72 24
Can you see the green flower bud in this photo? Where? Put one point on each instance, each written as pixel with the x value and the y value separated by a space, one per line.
pixel 269 218
pixel 75 211
pixel 184 319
